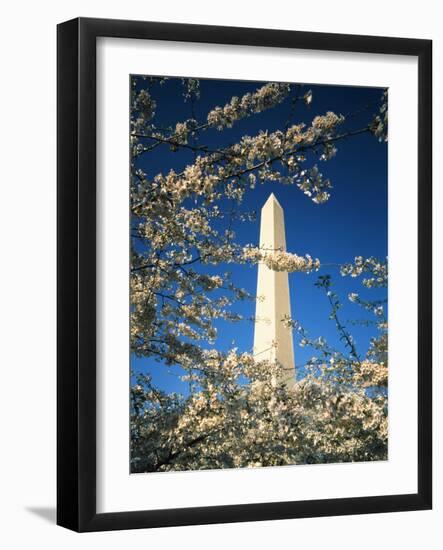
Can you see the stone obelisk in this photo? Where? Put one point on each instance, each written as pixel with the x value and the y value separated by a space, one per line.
pixel 273 302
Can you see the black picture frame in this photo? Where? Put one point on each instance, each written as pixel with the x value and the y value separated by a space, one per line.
pixel 76 265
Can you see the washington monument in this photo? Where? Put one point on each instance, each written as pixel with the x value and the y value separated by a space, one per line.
pixel 272 339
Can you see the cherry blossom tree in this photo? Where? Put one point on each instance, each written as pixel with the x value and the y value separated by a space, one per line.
pixel 234 413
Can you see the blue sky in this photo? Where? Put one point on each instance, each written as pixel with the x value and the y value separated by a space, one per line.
pixel 353 222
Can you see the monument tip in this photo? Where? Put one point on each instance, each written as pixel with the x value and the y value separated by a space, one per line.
pixel 272 199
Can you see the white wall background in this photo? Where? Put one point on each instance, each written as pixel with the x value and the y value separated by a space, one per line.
pixel 27 274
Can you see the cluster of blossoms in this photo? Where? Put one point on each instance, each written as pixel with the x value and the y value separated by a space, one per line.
pixel 377 268
pixel 278 260
pixel 225 423
pixel 379 125
pixel 368 374
pixel 234 167
pixel 191 89
pixel 181 133
pixel 265 97
pixel 143 109
pixel 313 185
pixel 327 122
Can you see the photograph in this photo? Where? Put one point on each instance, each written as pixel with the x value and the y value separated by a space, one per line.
pixel 258 274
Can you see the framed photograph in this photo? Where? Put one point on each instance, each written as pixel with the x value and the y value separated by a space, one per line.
pixel 244 274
